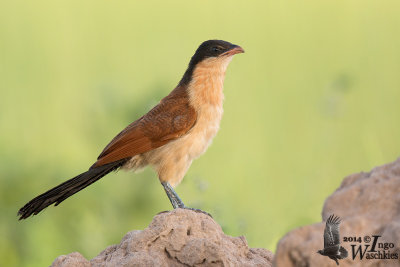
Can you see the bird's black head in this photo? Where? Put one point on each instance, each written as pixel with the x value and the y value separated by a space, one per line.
pixel 210 49
pixel 320 252
pixel 215 48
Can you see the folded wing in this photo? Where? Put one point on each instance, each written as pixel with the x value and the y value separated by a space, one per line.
pixel 170 119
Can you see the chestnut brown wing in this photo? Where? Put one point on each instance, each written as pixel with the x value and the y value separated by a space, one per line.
pixel 170 119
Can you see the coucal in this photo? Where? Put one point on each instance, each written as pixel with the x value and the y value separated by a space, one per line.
pixel 169 137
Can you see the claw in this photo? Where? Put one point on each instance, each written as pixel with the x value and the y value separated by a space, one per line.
pixel 198 211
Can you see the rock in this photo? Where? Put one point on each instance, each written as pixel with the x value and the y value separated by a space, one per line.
pixel 368 204
pixel 177 238
pixel 73 259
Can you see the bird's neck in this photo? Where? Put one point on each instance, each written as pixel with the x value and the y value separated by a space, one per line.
pixel 206 84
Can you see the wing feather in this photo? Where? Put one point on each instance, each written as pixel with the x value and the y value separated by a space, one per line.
pixel 331 232
pixel 170 119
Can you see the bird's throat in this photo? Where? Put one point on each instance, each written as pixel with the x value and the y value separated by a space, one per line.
pixel 207 82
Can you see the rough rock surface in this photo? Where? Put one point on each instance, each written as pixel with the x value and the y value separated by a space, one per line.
pixel 368 204
pixel 73 259
pixel 176 238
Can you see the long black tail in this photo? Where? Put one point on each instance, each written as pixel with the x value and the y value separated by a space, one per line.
pixel 63 191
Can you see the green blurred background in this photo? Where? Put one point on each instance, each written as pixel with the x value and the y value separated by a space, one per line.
pixel 315 97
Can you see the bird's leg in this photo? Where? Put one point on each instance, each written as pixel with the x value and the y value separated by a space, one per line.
pixel 173 196
pixel 176 200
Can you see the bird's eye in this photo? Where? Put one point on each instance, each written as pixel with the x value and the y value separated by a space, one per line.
pixel 215 49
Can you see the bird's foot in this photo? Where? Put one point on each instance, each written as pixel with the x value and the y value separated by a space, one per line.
pixel 161 212
pixel 198 211
pixel 187 208
pixel 337 262
pixel 176 202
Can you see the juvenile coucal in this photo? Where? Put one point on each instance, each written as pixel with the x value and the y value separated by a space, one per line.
pixel 169 137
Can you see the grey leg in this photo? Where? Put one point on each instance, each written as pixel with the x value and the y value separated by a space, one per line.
pixel 176 200
pixel 173 196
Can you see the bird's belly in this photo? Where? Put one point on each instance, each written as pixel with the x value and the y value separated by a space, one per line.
pixel 172 160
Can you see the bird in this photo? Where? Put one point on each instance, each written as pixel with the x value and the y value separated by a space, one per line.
pixel 332 247
pixel 168 138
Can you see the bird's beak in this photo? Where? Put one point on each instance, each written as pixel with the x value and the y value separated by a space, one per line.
pixel 233 51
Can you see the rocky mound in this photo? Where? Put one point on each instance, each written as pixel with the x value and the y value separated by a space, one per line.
pixel 177 238
pixel 368 204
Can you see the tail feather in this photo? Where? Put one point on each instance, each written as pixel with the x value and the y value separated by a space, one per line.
pixel 343 253
pixel 63 191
